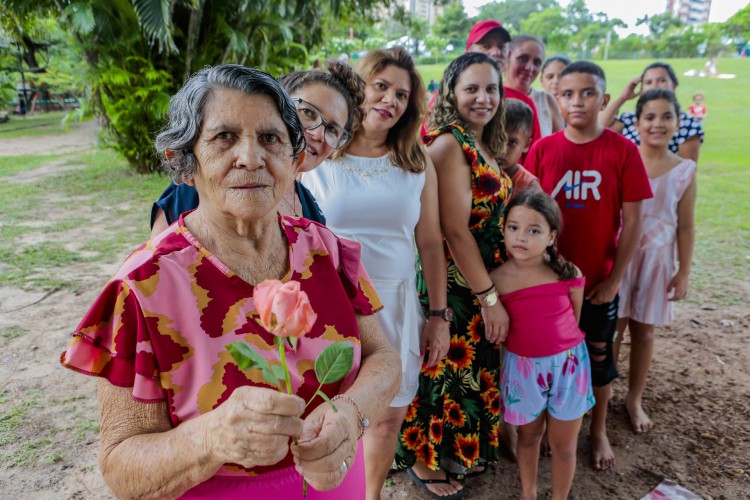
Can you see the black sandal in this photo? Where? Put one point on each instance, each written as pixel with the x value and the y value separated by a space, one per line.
pixel 460 476
pixel 424 482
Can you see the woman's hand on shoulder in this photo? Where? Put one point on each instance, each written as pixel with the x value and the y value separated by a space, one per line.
pixel 328 440
pixel 436 340
pixel 253 426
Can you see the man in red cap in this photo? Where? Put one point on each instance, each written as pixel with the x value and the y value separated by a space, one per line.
pixel 490 38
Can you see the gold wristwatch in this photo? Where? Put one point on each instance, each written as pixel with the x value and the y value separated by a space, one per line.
pixel 488 300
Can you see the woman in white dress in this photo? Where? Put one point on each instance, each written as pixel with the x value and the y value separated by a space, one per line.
pixel 525 63
pixel 382 192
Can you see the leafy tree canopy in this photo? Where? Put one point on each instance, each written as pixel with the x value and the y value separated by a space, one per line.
pixel 453 26
pixel 512 12
pixel 138 52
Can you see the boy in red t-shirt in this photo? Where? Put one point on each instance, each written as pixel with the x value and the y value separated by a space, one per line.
pixel 598 179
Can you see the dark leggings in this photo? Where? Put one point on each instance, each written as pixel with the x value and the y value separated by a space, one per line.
pixel 599 323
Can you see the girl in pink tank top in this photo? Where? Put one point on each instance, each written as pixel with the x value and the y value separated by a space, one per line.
pixel 546 377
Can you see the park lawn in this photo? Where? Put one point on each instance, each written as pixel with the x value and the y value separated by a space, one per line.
pixel 50 211
pixel 722 215
pixel 36 125
pixel 722 252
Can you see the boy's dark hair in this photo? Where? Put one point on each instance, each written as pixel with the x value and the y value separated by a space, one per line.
pixel 666 67
pixel 518 114
pixel 655 95
pixel 585 67
pixel 552 59
pixel 544 204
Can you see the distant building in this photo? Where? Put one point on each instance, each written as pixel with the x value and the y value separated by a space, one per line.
pixel 422 9
pixel 690 11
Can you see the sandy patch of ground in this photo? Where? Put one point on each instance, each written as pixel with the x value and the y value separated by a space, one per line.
pixel 81 136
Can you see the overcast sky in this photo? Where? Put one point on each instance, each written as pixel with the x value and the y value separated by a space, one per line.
pixel 630 10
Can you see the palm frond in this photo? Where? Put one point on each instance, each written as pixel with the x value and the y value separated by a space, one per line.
pixel 81 17
pixel 155 18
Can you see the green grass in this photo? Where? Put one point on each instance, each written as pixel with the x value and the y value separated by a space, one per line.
pixel 11 165
pixel 107 184
pixel 36 125
pixel 12 332
pixel 722 249
pixel 86 426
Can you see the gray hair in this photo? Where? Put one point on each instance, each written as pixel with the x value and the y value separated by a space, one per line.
pixel 186 109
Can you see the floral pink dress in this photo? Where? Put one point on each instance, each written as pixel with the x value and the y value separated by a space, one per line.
pixel 162 323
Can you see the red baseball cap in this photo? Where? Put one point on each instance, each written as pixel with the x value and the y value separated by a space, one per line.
pixel 481 28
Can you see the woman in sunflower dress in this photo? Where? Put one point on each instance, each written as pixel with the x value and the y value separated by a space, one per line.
pixel 452 425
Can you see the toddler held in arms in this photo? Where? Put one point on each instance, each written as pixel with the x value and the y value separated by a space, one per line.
pixel 546 377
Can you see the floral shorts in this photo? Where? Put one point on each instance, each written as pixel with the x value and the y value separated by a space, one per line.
pixel 559 384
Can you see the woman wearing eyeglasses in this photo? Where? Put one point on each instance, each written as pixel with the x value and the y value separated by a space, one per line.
pixel 328 105
pixel 381 191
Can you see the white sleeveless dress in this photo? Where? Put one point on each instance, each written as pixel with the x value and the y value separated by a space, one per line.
pixel 373 202
pixel 542 110
pixel 643 291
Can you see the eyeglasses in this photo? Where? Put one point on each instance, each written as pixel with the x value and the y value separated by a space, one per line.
pixel 335 136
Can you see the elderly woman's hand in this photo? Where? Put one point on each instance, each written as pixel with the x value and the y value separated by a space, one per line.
pixel 254 425
pixel 328 440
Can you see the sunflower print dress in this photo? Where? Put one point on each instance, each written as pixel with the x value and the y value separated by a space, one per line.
pixel 456 412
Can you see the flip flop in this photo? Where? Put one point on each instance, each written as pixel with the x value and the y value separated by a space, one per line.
pixel 424 482
pixel 459 476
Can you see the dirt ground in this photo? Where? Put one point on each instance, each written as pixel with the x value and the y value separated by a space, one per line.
pixel 698 395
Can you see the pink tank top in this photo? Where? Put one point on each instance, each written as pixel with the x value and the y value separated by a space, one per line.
pixel 542 321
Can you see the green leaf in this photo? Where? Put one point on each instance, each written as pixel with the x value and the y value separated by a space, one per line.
pixel 81 17
pixel 155 17
pixel 334 362
pixel 327 399
pixel 278 372
pixel 247 357
pixel 270 376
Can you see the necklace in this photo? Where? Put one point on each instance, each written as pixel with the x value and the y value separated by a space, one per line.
pixel 293 204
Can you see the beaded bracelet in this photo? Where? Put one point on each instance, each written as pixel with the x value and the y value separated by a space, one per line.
pixel 363 422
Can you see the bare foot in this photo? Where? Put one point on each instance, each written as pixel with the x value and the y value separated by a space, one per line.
pixel 602 456
pixel 441 489
pixel 638 418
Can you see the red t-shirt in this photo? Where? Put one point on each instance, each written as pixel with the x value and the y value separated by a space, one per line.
pixel 590 182
pixel 521 179
pixel 536 132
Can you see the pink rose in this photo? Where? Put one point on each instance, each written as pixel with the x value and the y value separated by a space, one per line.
pixel 284 308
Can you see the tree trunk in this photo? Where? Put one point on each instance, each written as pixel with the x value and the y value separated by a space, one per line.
pixel 194 27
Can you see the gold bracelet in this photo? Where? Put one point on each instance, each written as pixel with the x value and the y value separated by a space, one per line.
pixel 363 422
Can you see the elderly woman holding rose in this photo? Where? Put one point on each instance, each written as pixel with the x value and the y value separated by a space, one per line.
pixel 178 417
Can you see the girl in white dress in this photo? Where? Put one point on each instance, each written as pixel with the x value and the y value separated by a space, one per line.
pixel 382 192
pixel 651 285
